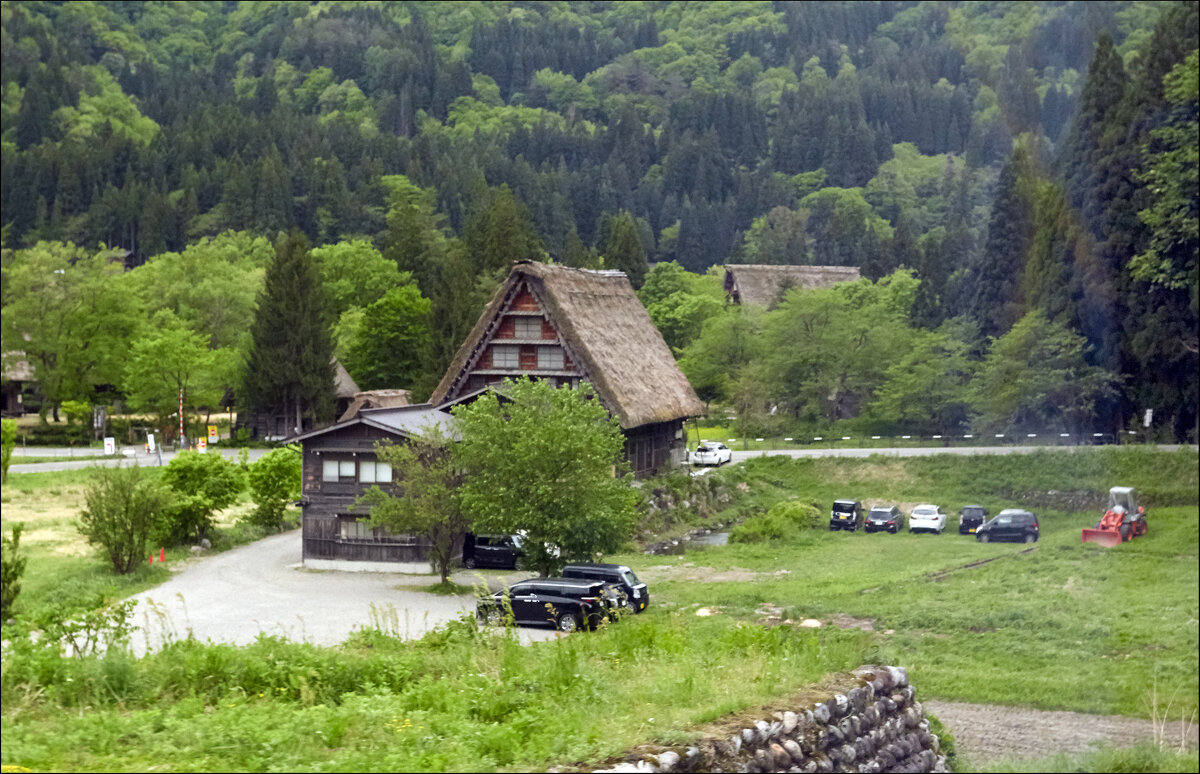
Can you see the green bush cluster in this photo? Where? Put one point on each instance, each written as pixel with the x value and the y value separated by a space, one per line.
pixel 274 482
pixel 783 520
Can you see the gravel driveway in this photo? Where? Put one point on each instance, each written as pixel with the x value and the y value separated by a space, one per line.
pixel 262 588
pixel 987 732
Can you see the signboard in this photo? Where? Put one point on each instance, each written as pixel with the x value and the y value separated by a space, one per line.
pixel 1149 416
pixel 110 445
pixel 212 434
pixel 201 445
pixel 150 443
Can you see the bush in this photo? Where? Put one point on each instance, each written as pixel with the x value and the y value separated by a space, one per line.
pixel 122 508
pixel 274 482
pixel 8 442
pixel 783 520
pixel 206 484
pixel 12 567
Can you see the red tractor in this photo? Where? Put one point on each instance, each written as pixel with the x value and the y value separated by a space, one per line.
pixel 1123 521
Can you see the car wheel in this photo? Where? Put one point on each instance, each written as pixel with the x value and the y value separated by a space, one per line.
pixel 629 607
pixel 984 539
pixel 469 563
pixel 895 530
pixel 1030 538
pixel 493 617
pixel 568 622
pixel 1124 530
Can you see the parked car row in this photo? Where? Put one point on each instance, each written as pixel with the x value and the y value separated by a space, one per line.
pixel 585 595
pixel 1014 524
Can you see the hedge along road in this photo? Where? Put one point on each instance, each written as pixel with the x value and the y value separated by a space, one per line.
pixel 263 588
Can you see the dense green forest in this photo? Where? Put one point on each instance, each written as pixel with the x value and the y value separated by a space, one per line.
pixel 1022 174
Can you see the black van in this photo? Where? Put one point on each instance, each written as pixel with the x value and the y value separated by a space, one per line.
pixel 498 551
pixel 845 514
pixel 971 518
pixel 567 604
pixel 634 594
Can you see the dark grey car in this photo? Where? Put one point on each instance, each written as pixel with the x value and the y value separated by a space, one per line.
pixel 885 518
pixel 634 594
pixel 1012 524
pixel 971 518
pixel 565 603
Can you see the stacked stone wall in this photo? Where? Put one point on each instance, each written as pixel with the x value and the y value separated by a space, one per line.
pixel 866 721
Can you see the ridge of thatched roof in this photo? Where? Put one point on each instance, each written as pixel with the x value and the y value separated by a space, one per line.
pixel 343 383
pixel 369 399
pixel 604 324
pixel 749 283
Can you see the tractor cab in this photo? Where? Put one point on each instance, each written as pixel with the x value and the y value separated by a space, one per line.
pixel 1123 497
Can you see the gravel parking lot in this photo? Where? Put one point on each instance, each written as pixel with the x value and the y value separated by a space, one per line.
pixel 262 589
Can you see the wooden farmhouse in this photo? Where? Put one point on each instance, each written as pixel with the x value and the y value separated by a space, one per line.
pixel 576 325
pixel 764 285
pixel 339 464
pixel 278 425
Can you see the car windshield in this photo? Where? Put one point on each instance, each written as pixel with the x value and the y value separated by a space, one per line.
pixel 881 513
pixel 843 507
pixel 925 512
pixel 972 511
pixel 630 578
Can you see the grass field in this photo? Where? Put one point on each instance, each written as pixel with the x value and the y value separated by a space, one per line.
pixel 1061 626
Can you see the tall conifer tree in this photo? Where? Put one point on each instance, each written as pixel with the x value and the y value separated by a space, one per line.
pixel 290 367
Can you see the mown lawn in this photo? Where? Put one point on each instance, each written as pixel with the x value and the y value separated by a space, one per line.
pixel 1062 626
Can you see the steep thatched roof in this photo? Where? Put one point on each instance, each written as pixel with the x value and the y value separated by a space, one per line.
pixel 343 383
pixel 606 327
pixel 758 284
pixel 370 399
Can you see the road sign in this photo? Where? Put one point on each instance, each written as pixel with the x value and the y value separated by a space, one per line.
pixel 110 445
pixel 201 445
pixel 212 434
pixel 1148 418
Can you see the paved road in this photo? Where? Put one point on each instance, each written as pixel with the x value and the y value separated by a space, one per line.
pixel 68 463
pixel 262 588
pixel 925 451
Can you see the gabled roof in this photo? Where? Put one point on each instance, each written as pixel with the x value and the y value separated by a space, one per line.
pixel 408 421
pixel 749 283
pixel 604 324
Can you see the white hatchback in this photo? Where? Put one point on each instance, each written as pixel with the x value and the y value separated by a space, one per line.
pixel 711 453
pixel 927 518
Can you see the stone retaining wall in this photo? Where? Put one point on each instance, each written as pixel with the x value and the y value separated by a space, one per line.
pixel 866 721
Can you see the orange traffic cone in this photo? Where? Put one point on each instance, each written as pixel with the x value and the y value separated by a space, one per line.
pixel 151 558
pixel 162 554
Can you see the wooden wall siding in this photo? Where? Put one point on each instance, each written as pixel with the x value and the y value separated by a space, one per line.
pixel 507 328
pixel 322 540
pixel 548 331
pixel 529 361
pixel 648 448
pixel 525 302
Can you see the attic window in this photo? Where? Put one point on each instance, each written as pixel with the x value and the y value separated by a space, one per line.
pixel 505 356
pixel 527 328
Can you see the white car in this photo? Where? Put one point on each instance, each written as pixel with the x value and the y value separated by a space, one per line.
pixel 711 453
pixel 927 518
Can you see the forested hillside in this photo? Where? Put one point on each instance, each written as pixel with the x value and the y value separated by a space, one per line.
pixel 1032 165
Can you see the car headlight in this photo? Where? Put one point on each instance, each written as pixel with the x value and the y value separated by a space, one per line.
pixel 637 594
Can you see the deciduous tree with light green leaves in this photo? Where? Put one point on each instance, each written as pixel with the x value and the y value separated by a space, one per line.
pixel 1036 379
pixel 546 462
pixel 424 496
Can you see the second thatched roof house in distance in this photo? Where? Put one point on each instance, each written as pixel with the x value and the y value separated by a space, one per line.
pixel 576 325
pixel 765 285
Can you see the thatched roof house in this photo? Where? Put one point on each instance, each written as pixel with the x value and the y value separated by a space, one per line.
pixel 572 325
pixel 763 285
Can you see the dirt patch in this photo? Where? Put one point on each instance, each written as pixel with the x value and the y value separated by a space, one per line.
pixel 986 732
pixel 843 621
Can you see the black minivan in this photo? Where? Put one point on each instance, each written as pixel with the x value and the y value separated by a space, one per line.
pixel 1012 524
pixel 498 551
pixel 565 603
pixel 971 518
pixel 845 514
pixel 635 595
